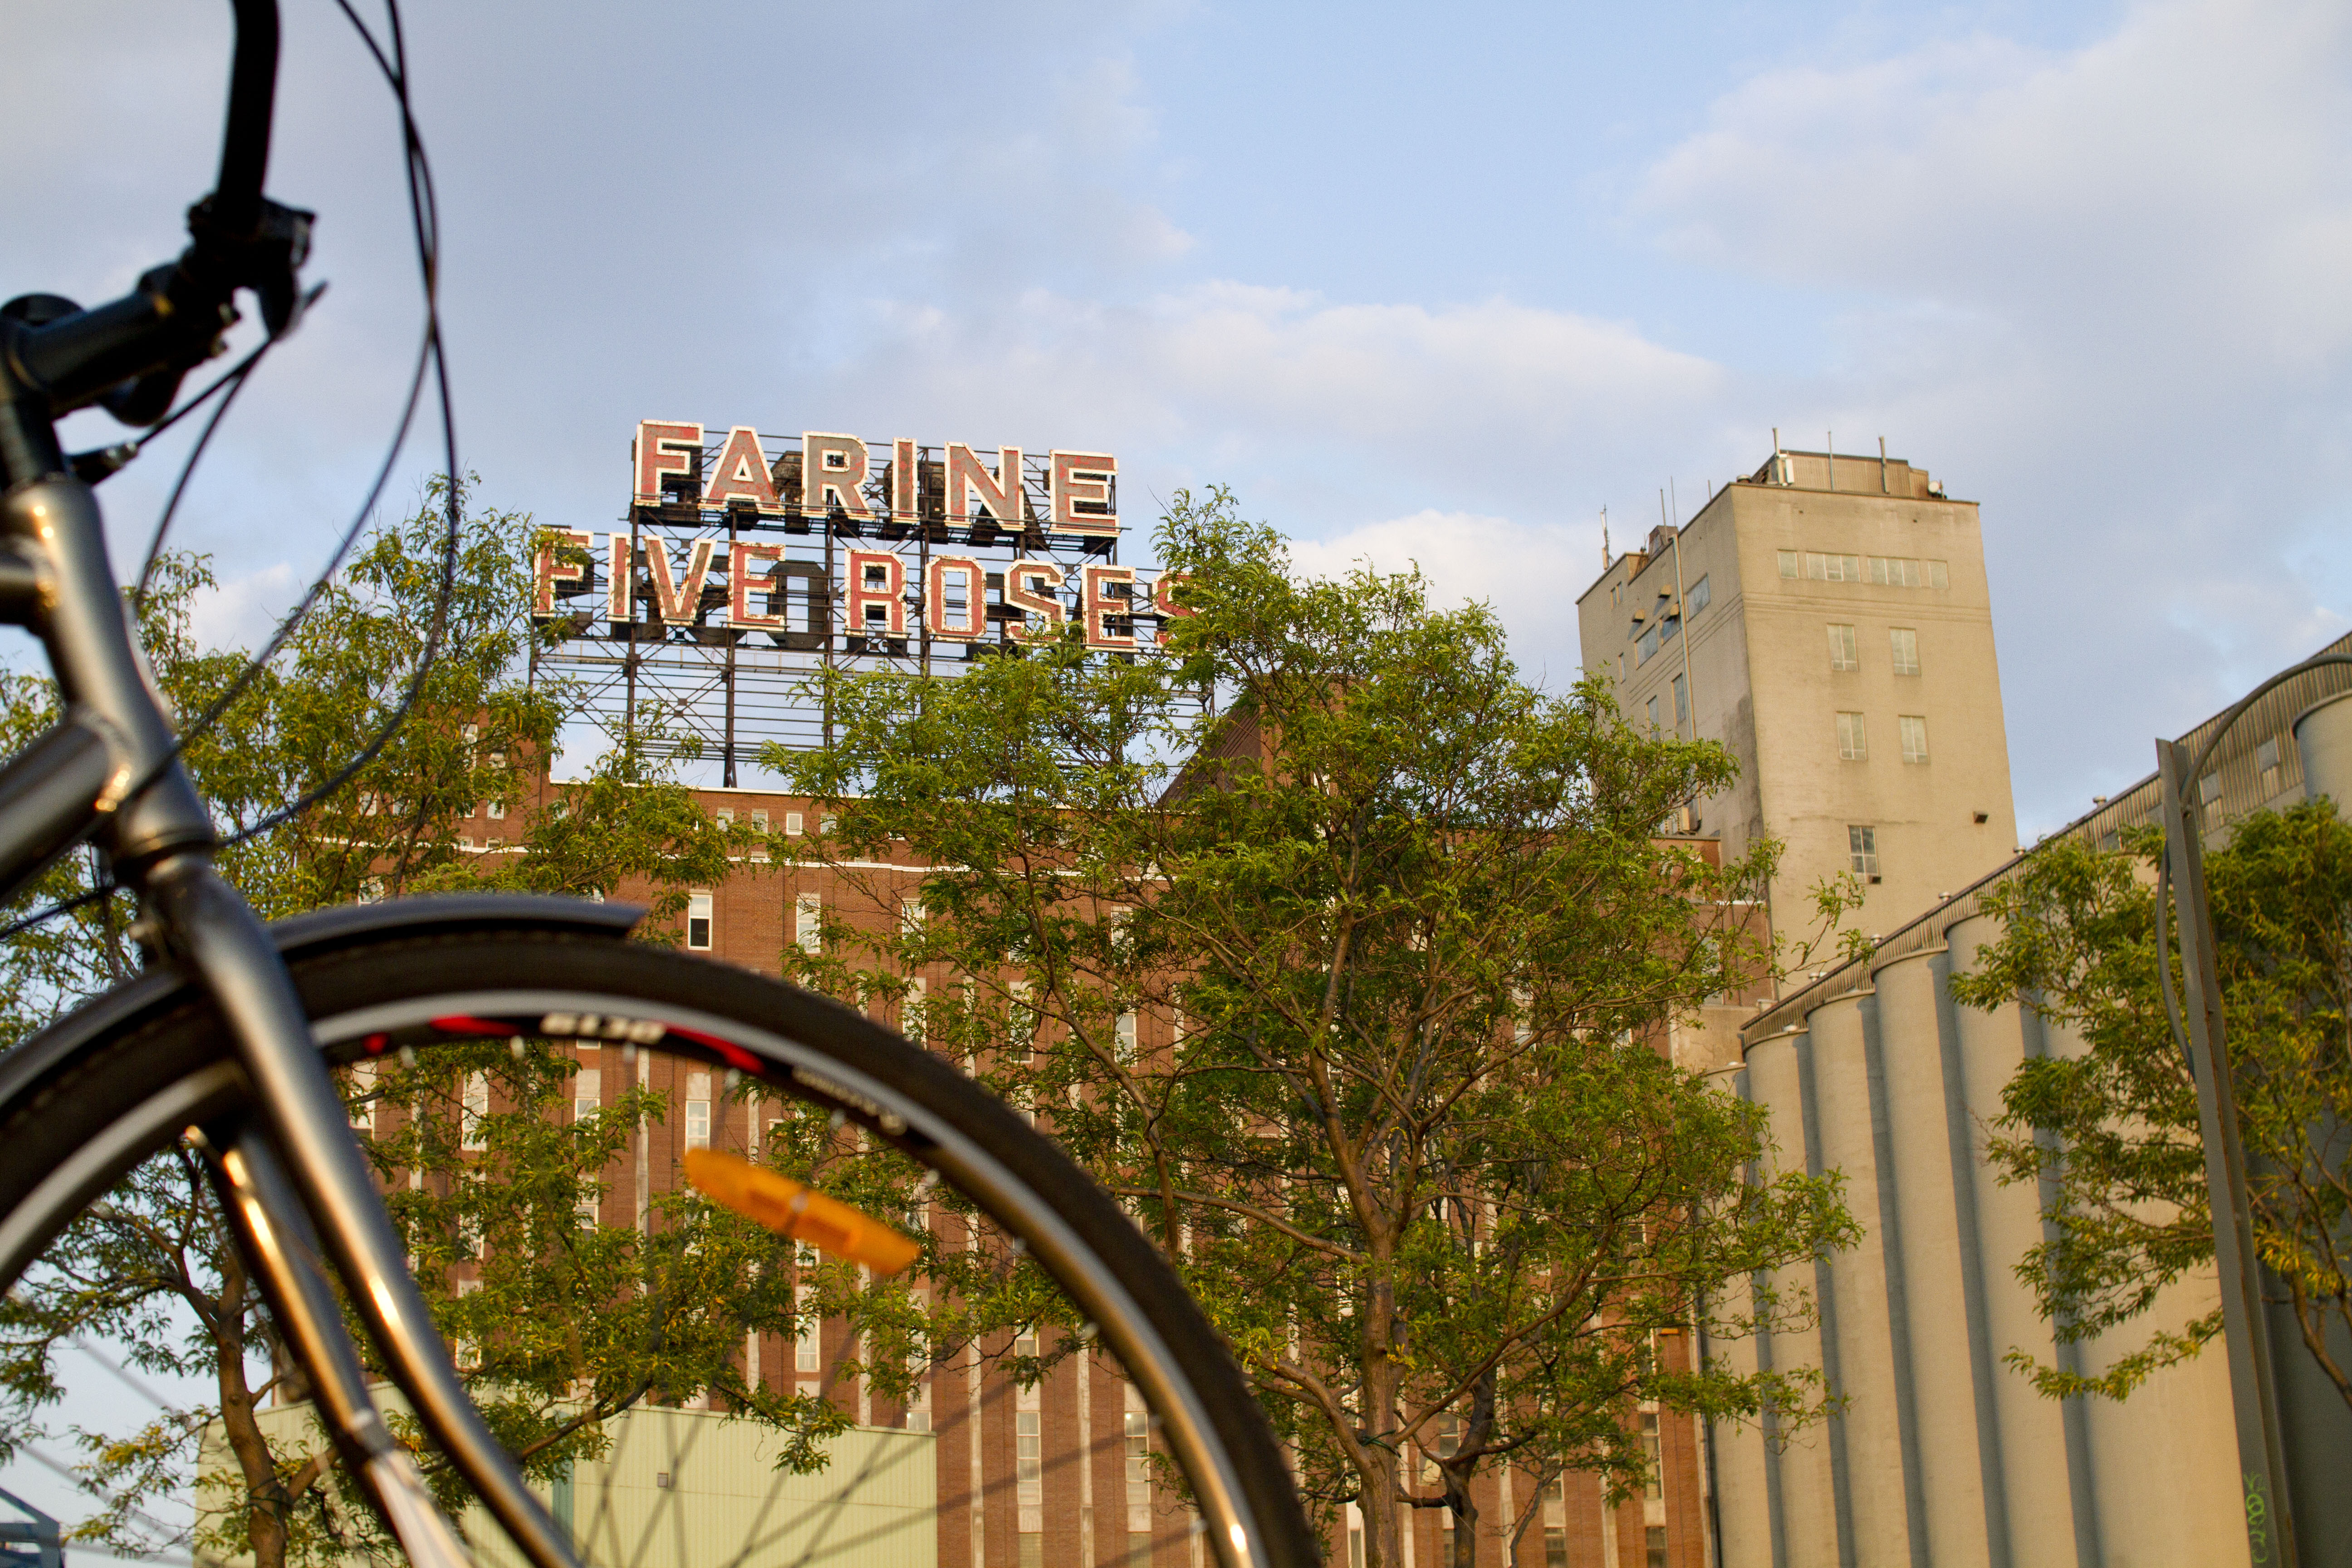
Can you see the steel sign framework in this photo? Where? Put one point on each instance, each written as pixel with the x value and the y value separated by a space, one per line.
pixel 747 564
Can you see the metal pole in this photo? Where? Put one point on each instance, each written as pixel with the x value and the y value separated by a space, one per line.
pixel 1682 614
pixel 2262 1455
pixel 727 631
pixel 629 659
pixel 824 520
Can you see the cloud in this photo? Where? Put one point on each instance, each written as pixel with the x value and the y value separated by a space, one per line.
pixel 241 611
pixel 2100 290
pixel 1486 405
pixel 1528 573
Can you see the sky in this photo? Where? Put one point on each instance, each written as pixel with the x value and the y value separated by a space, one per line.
pixel 1422 284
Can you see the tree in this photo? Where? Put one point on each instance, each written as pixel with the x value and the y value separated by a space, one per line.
pixel 563 1302
pixel 2112 1133
pixel 1407 924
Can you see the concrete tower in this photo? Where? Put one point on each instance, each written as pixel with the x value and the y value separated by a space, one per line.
pixel 1829 621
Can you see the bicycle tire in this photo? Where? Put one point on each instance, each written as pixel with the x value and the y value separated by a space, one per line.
pixel 73 1124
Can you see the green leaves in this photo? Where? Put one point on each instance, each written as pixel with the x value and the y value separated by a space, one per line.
pixel 2113 1130
pixel 1341 954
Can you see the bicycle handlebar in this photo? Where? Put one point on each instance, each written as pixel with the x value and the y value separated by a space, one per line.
pixel 130 352
pixel 252 96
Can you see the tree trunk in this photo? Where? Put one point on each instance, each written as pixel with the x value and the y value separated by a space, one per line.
pixel 268 1507
pixel 1466 1521
pixel 1376 1462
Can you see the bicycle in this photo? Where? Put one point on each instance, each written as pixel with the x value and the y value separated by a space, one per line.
pixel 222 1058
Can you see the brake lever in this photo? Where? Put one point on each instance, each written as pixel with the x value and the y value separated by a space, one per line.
pixel 265 260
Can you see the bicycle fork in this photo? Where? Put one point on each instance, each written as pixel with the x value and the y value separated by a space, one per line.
pixel 114 765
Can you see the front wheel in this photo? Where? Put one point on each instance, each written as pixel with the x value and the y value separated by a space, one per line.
pixel 706 1371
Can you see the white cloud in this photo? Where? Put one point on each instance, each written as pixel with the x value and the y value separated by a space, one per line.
pixel 242 610
pixel 1488 405
pixel 2101 291
pixel 1528 572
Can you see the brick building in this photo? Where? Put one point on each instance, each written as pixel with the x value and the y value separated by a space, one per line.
pixel 1056 1474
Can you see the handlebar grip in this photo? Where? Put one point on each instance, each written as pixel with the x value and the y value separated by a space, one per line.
pixel 252 95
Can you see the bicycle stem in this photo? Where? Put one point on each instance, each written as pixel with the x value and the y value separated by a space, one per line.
pixel 284 1254
pixel 225 946
pixel 160 837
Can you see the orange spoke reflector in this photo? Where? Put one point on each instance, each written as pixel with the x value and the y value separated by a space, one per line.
pixel 802 1213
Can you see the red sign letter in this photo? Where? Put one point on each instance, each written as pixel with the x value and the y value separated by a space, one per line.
pixel 621 581
pixel 833 468
pixel 1029 587
pixel 740 584
pixel 741 474
pixel 1101 605
pixel 1163 593
pixel 1083 479
pixel 678 599
pixel 664 446
pixel 1000 492
pixel 548 569
pixel 877 577
pixel 904 484
pixel 937 614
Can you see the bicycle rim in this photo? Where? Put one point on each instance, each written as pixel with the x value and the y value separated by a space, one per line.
pixel 686 1385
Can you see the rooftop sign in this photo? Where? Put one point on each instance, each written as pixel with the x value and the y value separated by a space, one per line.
pixel 747 558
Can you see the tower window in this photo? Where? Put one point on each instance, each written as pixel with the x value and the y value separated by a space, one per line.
pixel 1903 648
pixel 1842 653
pixel 1853 745
pixel 1862 848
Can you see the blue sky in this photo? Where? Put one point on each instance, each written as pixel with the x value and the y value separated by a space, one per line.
pixel 1420 283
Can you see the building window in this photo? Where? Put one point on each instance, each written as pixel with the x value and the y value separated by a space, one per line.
pixel 1656 1536
pixel 1653 1485
pixel 1902 572
pixel 587 1093
pixel 808 921
pixel 697 1111
pixel 1653 716
pixel 792 824
pixel 1029 1478
pixel 1556 1546
pixel 698 920
pixel 1862 847
pixel 1842 653
pixel 1854 746
pixel 1903 648
pixel 1682 703
pixel 1648 645
pixel 362 1089
pixel 1823 568
pixel 1788 564
pixel 495 810
pixel 475 1110
pixel 1137 1432
pixel 1915 737
pixel 808 1336
pixel 2266 762
pixel 726 816
pixel 1697 598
